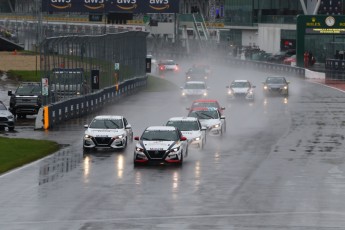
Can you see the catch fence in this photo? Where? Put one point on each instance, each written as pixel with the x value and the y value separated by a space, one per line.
pixel 81 64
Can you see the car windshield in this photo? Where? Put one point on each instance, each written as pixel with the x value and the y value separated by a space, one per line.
pixel 160 135
pixel 204 114
pixel 196 71
pixel 106 124
pixel 194 86
pixel 167 63
pixel 2 107
pixel 240 84
pixel 184 125
pixel 205 104
pixel 29 89
pixel 275 80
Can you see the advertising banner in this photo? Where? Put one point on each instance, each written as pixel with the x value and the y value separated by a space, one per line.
pixel 106 6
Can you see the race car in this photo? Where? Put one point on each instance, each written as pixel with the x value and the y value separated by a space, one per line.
pixel 191 128
pixel 167 66
pixel 160 144
pixel 198 73
pixel 207 103
pixel 107 131
pixel 211 119
pixel 241 89
pixel 194 89
pixel 276 85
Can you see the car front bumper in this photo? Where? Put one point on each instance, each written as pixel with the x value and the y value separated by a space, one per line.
pixel 104 142
pixel 159 158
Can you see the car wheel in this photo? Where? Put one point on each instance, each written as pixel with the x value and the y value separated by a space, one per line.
pixel 201 145
pixel 86 150
pixel 125 144
pixel 181 161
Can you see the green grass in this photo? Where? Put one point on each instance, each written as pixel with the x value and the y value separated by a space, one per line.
pixel 17 152
pixel 157 84
pixel 24 75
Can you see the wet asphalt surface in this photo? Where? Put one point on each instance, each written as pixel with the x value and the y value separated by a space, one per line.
pixel 280 166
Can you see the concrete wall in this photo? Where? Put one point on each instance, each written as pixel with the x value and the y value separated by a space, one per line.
pixel 269 36
pixel 250 38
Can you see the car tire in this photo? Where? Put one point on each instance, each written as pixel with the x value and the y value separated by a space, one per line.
pixel 125 145
pixel 181 162
pixel 86 150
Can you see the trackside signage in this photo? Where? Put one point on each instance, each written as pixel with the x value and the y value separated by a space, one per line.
pixel 106 6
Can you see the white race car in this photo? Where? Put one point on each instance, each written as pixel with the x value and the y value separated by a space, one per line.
pixel 194 90
pixel 107 131
pixel 210 118
pixel 241 89
pixel 191 128
pixel 160 144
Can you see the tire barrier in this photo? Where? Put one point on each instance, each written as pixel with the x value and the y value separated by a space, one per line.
pixel 56 113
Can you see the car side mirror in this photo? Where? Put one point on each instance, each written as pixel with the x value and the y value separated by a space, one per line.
pixel 222 108
pixel 183 138
pixel 187 108
pixel 86 126
pixel 128 126
pixel 9 93
pixel 136 138
pixel 222 117
pixel 203 128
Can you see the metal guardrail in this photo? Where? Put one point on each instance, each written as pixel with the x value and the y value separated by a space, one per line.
pixel 56 113
pixel 267 66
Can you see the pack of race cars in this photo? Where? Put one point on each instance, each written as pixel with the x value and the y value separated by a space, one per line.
pixel 158 144
pixel 169 143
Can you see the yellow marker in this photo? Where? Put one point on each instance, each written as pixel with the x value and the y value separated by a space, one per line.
pixel 46 117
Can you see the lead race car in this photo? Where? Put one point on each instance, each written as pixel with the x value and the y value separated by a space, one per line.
pixel 107 131
pixel 160 144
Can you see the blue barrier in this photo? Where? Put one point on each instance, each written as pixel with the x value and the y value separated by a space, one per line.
pixel 85 104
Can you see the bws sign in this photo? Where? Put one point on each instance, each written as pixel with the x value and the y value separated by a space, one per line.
pixel 105 6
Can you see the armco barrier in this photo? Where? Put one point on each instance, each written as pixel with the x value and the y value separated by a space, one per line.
pixel 56 113
pixel 267 67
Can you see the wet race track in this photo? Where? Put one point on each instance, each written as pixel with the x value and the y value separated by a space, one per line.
pixel 280 165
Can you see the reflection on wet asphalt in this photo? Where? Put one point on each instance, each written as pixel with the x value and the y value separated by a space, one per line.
pixel 58 164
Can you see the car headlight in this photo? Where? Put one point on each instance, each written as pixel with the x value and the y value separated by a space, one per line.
pixel 183 93
pixel 230 92
pixel 10 117
pixel 250 92
pixel 118 137
pixel 216 126
pixel 265 87
pixel 87 136
pixel 139 149
pixel 175 149
pixel 205 93
pixel 285 87
pixel 197 139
